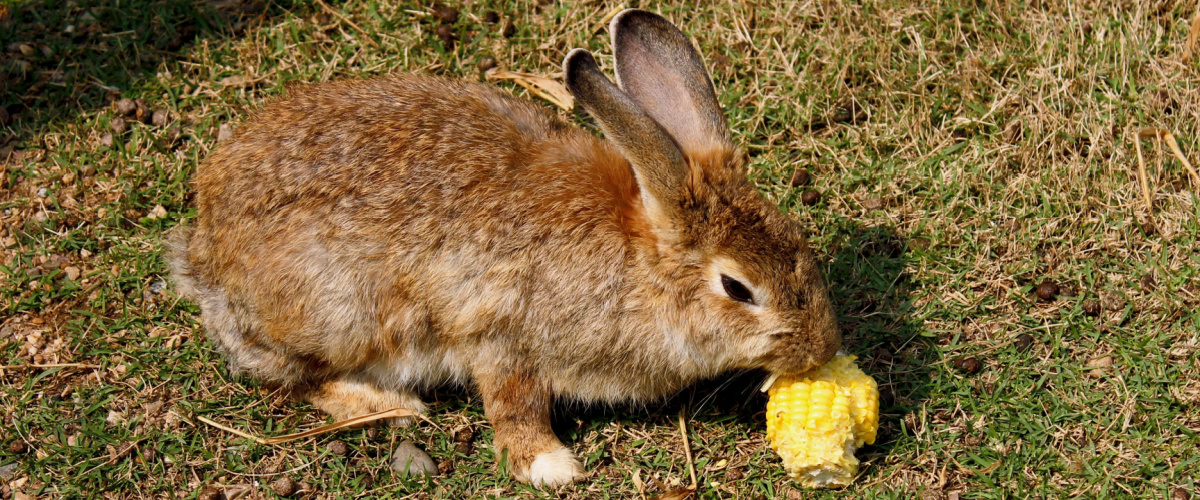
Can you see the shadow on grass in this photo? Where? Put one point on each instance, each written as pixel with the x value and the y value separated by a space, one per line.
pixel 865 267
pixel 64 57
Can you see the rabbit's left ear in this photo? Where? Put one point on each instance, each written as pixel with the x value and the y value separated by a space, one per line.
pixel 657 66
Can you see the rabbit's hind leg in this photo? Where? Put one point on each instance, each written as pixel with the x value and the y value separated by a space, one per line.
pixel 346 398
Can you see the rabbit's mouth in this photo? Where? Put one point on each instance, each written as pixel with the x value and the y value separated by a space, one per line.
pixel 797 352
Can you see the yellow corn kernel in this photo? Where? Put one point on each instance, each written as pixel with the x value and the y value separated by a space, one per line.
pixel 816 420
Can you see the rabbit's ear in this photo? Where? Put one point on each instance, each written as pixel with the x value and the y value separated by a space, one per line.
pixel 657 162
pixel 657 66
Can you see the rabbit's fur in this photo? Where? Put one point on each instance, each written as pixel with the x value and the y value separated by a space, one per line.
pixel 360 240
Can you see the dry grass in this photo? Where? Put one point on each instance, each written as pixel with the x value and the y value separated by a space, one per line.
pixel 965 152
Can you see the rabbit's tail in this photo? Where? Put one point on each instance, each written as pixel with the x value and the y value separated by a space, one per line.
pixel 221 320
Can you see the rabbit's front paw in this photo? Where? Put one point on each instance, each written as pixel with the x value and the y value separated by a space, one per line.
pixel 555 468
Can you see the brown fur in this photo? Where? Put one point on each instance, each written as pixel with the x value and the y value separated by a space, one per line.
pixel 360 240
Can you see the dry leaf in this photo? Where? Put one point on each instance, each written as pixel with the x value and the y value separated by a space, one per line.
pixel 681 493
pixel 157 212
pixel 545 88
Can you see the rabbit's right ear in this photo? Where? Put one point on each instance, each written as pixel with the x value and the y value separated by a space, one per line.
pixel 658 164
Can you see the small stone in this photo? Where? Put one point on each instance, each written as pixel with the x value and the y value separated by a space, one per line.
pixel 810 197
pixel 8 471
pixel 283 486
pixel 486 63
pixel 1047 291
pixel 124 107
pixel 973 440
pixel 799 178
pixel 446 15
pixel 1112 301
pixel 373 433
pixel 1180 494
pixel 1101 362
pixel 224 132
pixel 464 447
pixel 795 494
pixel 338 447
pixel 491 17
pixel 1091 307
pixel 118 125
pixel 970 365
pixel 445 467
pixel 447 35
pixel 72 272
pixel 17 447
pixel 87 170
pixel 408 460
pixel 1023 342
pixel 160 117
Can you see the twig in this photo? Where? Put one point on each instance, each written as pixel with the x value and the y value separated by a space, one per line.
pixel 1137 144
pixel 1193 38
pixel 49 365
pixel 1159 133
pixel 351 422
pixel 687 449
pixel 348 21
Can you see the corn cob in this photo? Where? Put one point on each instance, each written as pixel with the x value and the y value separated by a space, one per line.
pixel 816 420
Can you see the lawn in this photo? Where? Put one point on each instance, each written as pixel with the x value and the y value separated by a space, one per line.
pixel 975 202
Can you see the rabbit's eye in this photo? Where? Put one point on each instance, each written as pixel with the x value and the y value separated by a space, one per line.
pixel 736 290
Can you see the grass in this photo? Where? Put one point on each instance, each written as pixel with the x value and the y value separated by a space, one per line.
pixel 965 152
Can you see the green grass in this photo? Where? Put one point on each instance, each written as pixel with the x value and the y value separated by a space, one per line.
pixel 965 152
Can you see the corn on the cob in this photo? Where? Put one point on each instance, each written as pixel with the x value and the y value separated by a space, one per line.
pixel 816 420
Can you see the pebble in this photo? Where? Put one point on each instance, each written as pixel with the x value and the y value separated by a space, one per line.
pixel 338 447
pixel 799 178
pixel 1112 301
pixel 447 15
pixel 283 486
pixel 1047 291
pixel 160 117
pixel 970 365
pixel 1023 342
pixel 225 132
pixel 408 460
pixel 125 107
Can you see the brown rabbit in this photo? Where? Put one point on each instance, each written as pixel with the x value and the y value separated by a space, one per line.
pixel 361 240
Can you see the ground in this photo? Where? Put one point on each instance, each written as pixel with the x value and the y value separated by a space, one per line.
pixel 960 154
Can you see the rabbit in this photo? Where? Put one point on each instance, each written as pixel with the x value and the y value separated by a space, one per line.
pixel 360 241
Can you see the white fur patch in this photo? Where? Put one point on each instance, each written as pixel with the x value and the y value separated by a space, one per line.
pixel 555 468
